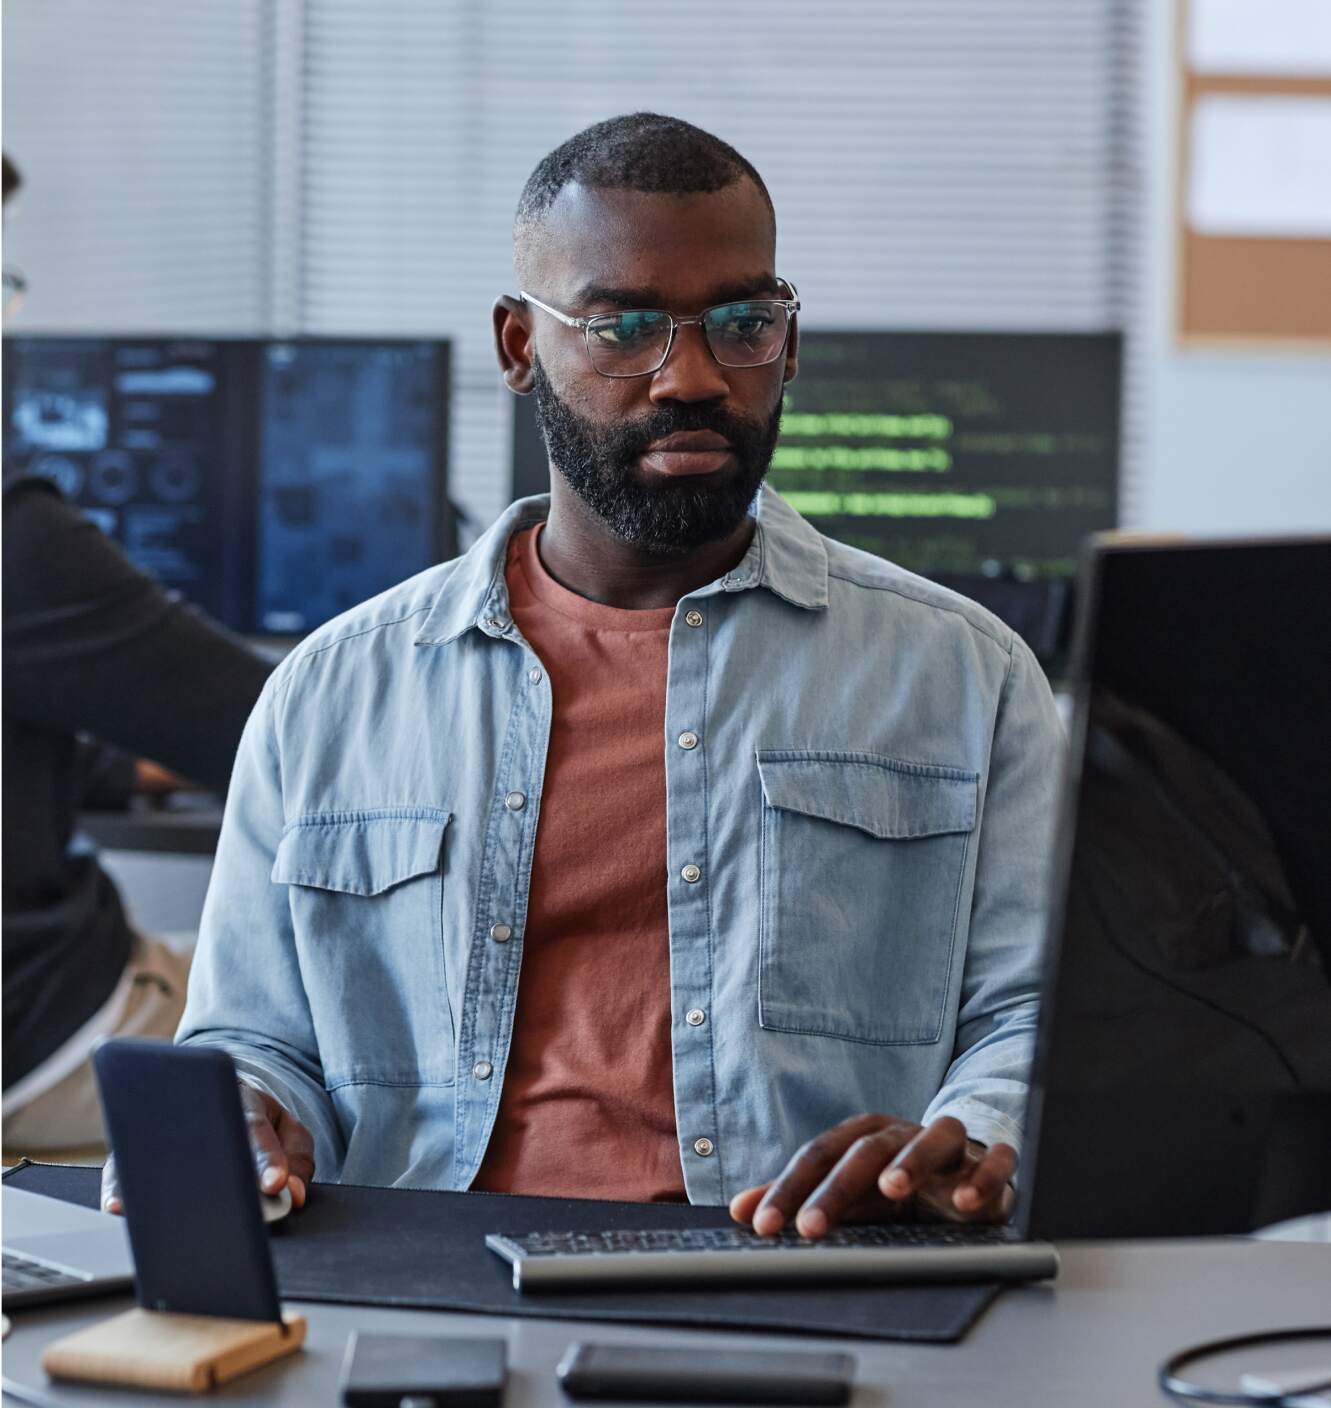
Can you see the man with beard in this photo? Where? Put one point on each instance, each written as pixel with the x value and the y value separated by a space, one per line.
pixel 760 819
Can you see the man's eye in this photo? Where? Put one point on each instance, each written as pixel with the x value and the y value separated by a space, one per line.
pixel 628 329
pixel 742 322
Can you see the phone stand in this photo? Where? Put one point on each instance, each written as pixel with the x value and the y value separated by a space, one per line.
pixel 158 1349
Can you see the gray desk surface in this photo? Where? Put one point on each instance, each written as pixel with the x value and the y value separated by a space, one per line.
pixel 1095 1338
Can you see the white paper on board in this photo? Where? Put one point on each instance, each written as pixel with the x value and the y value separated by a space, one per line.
pixel 1290 38
pixel 1260 166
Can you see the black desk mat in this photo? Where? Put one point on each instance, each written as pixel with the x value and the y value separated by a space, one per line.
pixel 425 1250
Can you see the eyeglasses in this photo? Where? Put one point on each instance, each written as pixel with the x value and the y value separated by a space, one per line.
pixel 751 332
pixel 15 287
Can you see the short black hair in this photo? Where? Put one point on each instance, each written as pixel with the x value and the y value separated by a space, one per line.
pixel 640 151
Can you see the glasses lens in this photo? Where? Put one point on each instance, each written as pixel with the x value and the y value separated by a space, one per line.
pixel 746 334
pixel 628 344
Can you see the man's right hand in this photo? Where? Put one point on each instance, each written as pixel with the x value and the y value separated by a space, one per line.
pixel 283 1151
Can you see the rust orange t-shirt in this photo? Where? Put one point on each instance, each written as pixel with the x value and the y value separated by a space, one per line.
pixel 588 1107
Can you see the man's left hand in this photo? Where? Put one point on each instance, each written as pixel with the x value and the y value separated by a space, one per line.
pixel 872 1168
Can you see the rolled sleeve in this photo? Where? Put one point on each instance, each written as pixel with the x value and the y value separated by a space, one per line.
pixel 246 993
pixel 987 1083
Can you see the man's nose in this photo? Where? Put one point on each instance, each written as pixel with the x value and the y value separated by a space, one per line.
pixel 690 372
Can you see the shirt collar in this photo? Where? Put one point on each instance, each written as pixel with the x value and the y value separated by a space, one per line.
pixel 787 556
pixel 476 594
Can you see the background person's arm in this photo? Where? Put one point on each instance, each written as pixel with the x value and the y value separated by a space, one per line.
pixel 246 995
pixel 93 645
pixel 986 1084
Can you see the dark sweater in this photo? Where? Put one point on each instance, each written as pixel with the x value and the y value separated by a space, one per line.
pixel 91 645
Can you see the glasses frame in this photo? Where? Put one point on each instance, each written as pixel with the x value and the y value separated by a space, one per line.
pixel 791 305
pixel 16 287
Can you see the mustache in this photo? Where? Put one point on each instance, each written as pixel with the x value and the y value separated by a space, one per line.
pixel 635 437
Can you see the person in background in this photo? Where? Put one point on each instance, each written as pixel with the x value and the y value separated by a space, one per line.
pixel 95 653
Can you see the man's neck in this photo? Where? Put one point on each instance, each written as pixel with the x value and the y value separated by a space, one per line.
pixel 582 555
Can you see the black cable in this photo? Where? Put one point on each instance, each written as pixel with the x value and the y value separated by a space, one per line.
pixel 1182 1391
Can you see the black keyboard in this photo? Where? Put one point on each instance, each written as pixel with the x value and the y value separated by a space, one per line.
pixel 26 1273
pixel 896 1252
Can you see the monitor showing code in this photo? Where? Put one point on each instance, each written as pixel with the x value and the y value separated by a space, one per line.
pixel 955 454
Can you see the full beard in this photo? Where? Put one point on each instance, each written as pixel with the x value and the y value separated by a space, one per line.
pixel 660 515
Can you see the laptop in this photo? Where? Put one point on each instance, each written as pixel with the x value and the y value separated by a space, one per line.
pixel 1182 1077
pixel 59 1251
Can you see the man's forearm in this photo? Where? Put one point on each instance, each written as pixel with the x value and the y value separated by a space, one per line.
pixel 987 1085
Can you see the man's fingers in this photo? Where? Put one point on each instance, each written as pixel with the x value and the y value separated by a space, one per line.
pixel 269 1156
pixel 743 1205
pixel 298 1143
pixel 855 1175
pixel 938 1148
pixel 985 1190
pixel 807 1169
pixel 111 1201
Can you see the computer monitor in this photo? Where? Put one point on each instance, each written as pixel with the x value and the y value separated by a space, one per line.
pixel 1183 1071
pixel 980 460
pixel 273 482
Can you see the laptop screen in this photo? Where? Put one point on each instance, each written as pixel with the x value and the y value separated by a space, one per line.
pixel 1188 1007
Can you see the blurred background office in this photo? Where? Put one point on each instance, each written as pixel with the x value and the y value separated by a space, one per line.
pixel 1065 265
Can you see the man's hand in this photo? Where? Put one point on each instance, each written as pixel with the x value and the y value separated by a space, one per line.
pixel 283 1151
pixel 870 1168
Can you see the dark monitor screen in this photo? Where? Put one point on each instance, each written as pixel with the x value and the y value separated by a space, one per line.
pixel 273 482
pixel 1185 1051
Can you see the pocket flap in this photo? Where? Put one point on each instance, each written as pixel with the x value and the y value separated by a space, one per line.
pixel 887 798
pixel 360 853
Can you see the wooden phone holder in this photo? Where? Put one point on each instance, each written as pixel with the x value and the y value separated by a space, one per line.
pixel 158 1349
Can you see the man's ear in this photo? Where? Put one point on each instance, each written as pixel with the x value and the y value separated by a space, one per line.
pixel 513 343
pixel 792 351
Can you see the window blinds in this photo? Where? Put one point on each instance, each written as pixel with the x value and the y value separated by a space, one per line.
pixel 329 166
pixel 934 163
pixel 141 133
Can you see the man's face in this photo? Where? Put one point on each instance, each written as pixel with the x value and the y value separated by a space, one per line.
pixel 607 251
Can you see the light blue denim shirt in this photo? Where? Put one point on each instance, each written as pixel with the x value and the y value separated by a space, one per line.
pixel 856 847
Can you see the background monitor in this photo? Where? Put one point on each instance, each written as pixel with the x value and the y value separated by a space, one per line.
pixel 980 460
pixel 1184 1068
pixel 273 482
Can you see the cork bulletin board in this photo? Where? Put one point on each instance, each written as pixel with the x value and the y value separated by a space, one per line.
pixel 1254 194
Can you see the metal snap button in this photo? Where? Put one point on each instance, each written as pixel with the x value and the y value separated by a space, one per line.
pixel 695 1017
pixel 692 874
pixel 703 1146
pixel 688 740
pixel 515 801
pixel 500 933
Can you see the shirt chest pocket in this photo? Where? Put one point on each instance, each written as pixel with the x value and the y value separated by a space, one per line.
pixel 366 895
pixel 863 862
